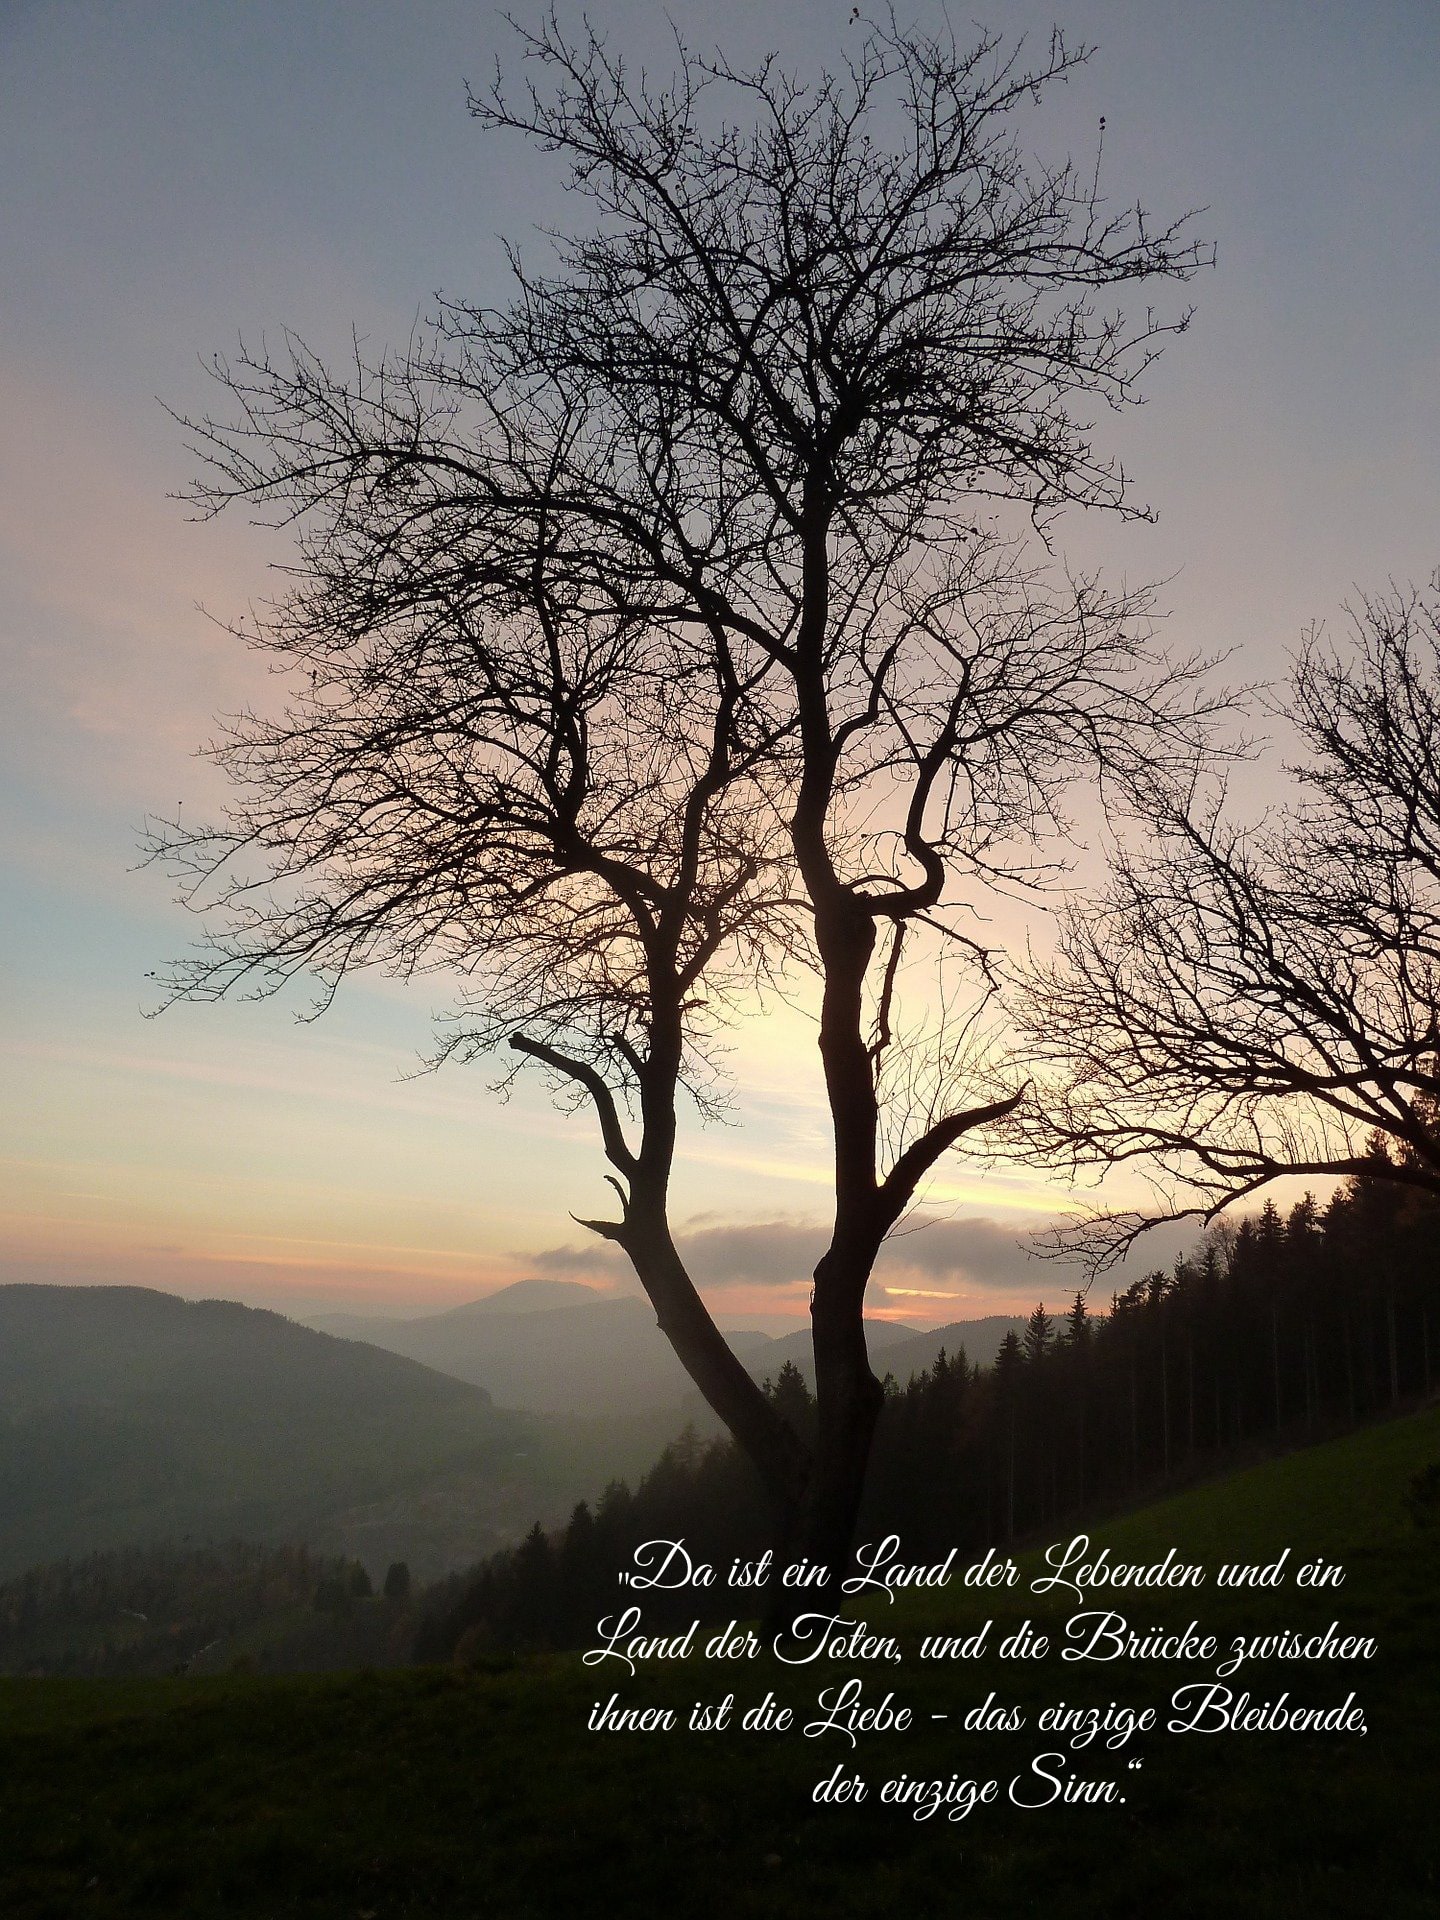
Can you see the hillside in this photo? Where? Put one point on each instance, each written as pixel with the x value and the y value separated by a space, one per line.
pixel 551 1352
pixel 522 1296
pixel 445 1792
pixel 554 1346
pixel 897 1348
pixel 130 1415
pixel 108 1346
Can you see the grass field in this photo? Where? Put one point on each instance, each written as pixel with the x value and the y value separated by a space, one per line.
pixel 452 1793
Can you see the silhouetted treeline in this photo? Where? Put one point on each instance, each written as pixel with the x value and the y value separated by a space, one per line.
pixel 168 1609
pixel 1274 1332
pixel 550 1590
pixel 1269 1333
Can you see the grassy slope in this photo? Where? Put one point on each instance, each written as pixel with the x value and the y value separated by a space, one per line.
pixel 438 1793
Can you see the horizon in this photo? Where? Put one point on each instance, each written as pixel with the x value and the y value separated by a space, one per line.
pixel 228 1150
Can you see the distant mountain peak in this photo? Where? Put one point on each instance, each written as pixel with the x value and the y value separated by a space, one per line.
pixel 536 1296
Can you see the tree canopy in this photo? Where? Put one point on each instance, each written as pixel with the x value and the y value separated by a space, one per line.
pixel 1254 1000
pixel 651 636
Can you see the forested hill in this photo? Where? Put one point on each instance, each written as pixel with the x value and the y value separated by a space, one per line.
pixel 128 1415
pixel 549 1351
pixel 1282 1331
pixel 110 1346
pixel 556 1347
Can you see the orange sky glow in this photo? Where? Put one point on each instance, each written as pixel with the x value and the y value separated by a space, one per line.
pixel 177 173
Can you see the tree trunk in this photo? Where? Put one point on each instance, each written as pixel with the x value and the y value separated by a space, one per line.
pixel 849 1399
pixel 776 1451
pixel 1393 1346
pixel 1080 1455
pixel 1165 1400
pixel 1312 1377
pixel 1010 1481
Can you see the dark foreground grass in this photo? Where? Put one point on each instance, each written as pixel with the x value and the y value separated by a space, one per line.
pixel 454 1793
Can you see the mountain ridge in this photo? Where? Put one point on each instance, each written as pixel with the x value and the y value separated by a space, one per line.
pixel 130 1415
pixel 606 1355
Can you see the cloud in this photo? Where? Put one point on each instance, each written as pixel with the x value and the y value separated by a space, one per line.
pixel 597 1260
pixel 770 1253
pixel 973 1253
pixel 983 1252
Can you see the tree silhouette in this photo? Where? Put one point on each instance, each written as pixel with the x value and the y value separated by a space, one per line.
pixel 1039 1334
pixel 650 642
pixel 793 1400
pixel 1252 1002
pixel 971 1457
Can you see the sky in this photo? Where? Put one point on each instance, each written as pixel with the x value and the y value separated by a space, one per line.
pixel 182 173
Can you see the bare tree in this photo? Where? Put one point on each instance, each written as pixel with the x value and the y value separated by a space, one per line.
pixel 573 809
pixel 1254 1002
pixel 655 645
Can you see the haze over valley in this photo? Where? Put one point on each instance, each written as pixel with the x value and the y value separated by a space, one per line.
pixel 129 1415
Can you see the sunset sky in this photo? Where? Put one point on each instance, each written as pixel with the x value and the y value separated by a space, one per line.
pixel 179 173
